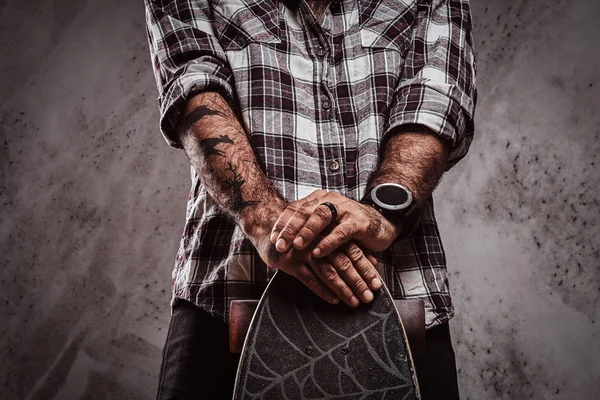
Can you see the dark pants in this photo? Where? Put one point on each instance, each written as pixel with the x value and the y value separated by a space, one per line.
pixel 197 363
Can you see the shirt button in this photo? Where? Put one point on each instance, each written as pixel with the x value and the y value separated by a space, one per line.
pixel 334 166
pixel 326 104
pixel 321 51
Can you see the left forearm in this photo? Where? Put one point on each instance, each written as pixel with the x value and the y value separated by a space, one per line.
pixel 414 158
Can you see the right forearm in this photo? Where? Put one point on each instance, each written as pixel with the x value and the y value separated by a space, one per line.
pixel 221 154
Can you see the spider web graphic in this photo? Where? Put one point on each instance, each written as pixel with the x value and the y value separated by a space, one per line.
pixel 300 347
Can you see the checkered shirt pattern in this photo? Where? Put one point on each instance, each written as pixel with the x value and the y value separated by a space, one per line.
pixel 317 99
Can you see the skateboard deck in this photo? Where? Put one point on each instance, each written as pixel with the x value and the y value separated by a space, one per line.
pixel 301 347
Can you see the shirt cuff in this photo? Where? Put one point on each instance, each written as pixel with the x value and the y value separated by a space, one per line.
pixel 196 77
pixel 442 108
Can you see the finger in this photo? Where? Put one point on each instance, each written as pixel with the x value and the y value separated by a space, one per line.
pixel 320 219
pixel 364 267
pixel 282 220
pixel 339 235
pixel 329 276
pixel 371 258
pixel 295 224
pixel 289 211
pixel 316 285
pixel 347 271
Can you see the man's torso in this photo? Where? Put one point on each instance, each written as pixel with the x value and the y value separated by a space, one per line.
pixel 314 97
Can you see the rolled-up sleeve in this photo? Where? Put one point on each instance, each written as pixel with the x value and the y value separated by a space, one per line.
pixel 437 84
pixel 186 57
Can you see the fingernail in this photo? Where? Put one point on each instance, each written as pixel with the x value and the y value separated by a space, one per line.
pixel 376 283
pixel 299 241
pixel 280 244
pixel 274 236
pixel 368 296
pixel 354 301
pixel 317 252
pixel 335 300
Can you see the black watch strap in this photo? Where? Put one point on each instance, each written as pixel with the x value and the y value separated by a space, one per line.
pixel 412 219
pixel 407 220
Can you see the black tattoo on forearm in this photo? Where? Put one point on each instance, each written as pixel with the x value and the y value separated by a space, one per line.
pixel 208 145
pixel 233 177
pixel 235 184
pixel 197 114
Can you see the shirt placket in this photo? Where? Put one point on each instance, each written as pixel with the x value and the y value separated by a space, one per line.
pixel 329 138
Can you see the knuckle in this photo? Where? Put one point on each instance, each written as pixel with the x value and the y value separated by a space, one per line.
pixel 303 212
pixel 354 252
pixel 325 243
pixel 308 231
pixel 306 202
pixel 279 225
pixel 345 232
pixel 323 212
pixel 344 264
pixel 369 273
pixel 288 230
pixel 346 292
pixel 293 206
pixel 329 272
pixel 360 286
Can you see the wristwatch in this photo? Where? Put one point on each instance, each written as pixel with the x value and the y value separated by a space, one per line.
pixel 397 204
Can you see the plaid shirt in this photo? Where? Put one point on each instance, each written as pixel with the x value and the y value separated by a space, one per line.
pixel 316 99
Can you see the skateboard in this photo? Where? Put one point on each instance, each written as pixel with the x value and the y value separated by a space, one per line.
pixel 300 347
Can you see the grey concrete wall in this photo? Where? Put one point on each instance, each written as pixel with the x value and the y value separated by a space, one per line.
pixel 93 205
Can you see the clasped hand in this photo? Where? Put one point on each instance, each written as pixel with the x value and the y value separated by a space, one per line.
pixel 332 258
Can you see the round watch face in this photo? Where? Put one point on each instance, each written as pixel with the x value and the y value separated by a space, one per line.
pixel 391 196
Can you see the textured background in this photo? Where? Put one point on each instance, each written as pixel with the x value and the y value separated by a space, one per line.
pixel 93 204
